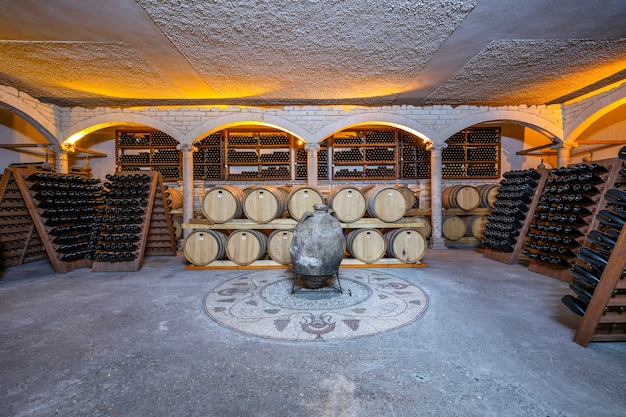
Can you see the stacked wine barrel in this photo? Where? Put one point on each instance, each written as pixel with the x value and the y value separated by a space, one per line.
pixel 226 204
pixel 466 198
pixel 516 191
pixel 564 210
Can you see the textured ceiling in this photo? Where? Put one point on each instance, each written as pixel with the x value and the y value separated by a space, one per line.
pixel 279 52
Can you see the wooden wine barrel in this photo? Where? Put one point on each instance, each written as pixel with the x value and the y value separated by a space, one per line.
pixel 264 203
pixel 278 243
pixel 175 196
pixel 453 227
pixel 426 229
pixel 366 245
pixel 302 199
pixel 245 246
pixel 475 226
pixel 204 246
pixel 223 203
pixel 177 227
pixel 462 197
pixel 347 202
pixel 386 203
pixel 409 196
pixel 405 244
pixel 488 193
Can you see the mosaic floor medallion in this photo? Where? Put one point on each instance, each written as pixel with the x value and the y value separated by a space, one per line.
pixel 261 303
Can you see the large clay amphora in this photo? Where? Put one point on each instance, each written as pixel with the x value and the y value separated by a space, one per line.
pixel 318 246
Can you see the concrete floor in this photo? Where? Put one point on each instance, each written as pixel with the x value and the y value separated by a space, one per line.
pixel 495 341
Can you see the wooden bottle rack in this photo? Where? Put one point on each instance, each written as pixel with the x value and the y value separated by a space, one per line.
pixel 19 239
pixel 512 257
pixel 597 324
pixel 156 236
pixel 23 231
pixel 613 166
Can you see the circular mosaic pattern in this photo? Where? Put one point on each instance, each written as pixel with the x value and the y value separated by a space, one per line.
pixel 261 303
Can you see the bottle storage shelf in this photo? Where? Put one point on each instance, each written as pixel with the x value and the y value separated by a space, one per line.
pixel 472 153
pixel 148 150
pixel 244 154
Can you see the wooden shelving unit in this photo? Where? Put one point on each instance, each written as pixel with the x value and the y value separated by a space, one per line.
pixel 258 155
pixel 208 160
pixel 472 153
pixel 148 150
pixel 414 158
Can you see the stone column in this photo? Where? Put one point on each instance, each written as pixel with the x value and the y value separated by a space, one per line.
pixel 61 157
pixel 563 153
pixel 436 240
pixel 311 169
pixel 187 151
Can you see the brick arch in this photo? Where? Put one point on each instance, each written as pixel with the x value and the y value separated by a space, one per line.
pixel 238 119
pixel 91 124
pixel 594 112
pixel 540 124
pixel 385 119
pixel 15 104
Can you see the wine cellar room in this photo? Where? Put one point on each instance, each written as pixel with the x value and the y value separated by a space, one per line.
pixel 174 180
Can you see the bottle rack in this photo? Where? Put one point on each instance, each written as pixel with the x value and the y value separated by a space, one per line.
pixel 598 281
pixel 579 224
pixel 19 239
pixel 258 155
pixel 472 153
pixel 208 159
pixel 365 155
pixel 148 150
pixel 505 229
pixel 414 158
pixel 47 215
pixel 136 223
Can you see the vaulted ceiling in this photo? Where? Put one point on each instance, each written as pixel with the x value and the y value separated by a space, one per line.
pixel 297 52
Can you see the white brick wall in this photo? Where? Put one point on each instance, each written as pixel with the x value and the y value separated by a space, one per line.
pixel 311 123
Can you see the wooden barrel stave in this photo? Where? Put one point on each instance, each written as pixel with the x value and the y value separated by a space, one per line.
pixel 223 203
pixel 366 245
pixel 347 202
pixel 245 246
pixel 405 244
pixel 278 243
pixel 302 199
pixel 202 247
pixel 453 227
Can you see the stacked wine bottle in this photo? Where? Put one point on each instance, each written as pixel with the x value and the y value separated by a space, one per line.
pixel 350 155
pixel 564 208
pixel 380 136
pixel 122 218
pixel 593 256
pixel 69 207
pixel 515 193
pixel 453 153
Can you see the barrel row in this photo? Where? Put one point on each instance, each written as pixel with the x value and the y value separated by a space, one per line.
pixel 265 203
pixel 243 247
pixel 468 198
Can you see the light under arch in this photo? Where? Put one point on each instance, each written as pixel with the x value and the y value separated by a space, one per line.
pixel 247 118
pixel 551 130
pixel 409 125
pixel 80 129
pixel 593 113
pixel 29 113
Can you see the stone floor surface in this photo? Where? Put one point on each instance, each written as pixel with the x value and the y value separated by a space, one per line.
pixel 495 340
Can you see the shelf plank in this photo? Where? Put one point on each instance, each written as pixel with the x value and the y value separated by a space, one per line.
pixel 270 264
pixel 288 223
